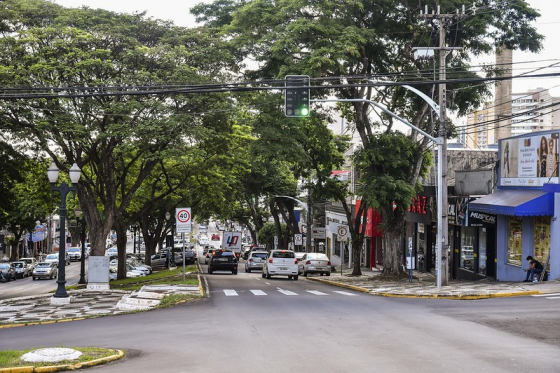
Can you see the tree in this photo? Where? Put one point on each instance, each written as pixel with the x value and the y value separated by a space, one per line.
pixel 353 42
pixel 117 140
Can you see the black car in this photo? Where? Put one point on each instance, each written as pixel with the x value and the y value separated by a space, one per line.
pixel 223 260
pixel 7 272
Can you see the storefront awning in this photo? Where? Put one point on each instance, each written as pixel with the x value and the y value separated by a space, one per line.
pixel 516 203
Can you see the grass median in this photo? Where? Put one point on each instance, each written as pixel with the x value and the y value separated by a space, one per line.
pixel 12 358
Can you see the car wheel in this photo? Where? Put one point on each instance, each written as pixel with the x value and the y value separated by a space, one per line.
pixel 263 275
pixel 328 274
pixel 234 272
pixel 289 277
pixel 296 277
pixel 50 278
pixel 209 271
pixel 14 278
pixel 33 278
pixel 304 274
pixel 268 275
pixel 247 270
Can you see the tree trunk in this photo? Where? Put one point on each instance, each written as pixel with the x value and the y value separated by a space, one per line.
pixel 120 228
pixel 393 250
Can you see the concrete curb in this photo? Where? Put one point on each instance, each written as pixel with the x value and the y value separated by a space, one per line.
pixel 427 296
pixel 54 368
pixel 6 326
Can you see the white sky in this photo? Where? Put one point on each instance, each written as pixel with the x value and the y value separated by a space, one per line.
pixel 547 24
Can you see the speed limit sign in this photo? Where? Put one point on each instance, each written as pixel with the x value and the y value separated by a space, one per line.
pixel 298 239
pixel 183 219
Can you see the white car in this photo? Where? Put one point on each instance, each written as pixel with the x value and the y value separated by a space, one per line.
pixel 203 240
pixel 53 258
pixel 315 263
pixel 281 263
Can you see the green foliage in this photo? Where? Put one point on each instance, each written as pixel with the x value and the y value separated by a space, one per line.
pixel 267 232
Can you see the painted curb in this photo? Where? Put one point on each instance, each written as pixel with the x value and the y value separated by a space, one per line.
pixel 54 368
pixel 428 296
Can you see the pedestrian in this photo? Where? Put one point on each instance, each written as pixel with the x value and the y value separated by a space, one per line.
pixel 535 267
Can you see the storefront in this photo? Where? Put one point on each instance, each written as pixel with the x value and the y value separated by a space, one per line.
pixel 421 231
pixel 526 203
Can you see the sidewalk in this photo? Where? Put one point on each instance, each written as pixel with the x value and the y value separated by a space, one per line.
pixel 424 285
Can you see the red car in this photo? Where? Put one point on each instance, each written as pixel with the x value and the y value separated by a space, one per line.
pixel 215 237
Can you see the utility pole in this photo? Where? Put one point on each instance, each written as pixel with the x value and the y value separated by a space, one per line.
pixel 443 256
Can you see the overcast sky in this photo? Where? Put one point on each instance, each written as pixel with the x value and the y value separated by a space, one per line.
pixel 548 24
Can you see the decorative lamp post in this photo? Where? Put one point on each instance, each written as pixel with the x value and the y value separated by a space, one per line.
pixel 82 222
pixel 63 190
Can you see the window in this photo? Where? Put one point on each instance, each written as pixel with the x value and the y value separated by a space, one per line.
pixel 482 251
pixel 468 241
pixel 541 245
pixel 283 254
pixel 514 241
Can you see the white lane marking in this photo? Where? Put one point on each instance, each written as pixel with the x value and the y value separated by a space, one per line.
pixel 316 292
pixel 230 293
pixel 286 292
pixel 346 293
pixel 545 295
pixel 258 292
pixel 552 297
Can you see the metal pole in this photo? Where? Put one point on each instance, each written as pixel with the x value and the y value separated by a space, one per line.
pixel 439 216
pixel 63 189
pixel 83 257
pixel 134 240
pixel 183 239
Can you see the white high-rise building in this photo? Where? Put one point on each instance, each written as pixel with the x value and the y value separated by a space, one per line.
pixel 533 111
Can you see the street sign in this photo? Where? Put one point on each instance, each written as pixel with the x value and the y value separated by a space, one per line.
pixel 298 239
pixel 342 233
pixel 183 220
pixel 318 233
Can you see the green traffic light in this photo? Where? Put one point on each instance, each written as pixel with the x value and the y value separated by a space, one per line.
pixel 304 111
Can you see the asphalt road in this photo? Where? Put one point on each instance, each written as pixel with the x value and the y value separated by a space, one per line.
pixel 251 324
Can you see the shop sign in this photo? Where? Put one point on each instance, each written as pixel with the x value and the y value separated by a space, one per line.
pixel 480 219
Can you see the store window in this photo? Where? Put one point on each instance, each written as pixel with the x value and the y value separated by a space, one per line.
pixel 541 245
pixel 514 241
pixel 482 251
pixel 468 242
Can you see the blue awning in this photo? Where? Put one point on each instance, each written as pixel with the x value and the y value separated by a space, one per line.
pixel 516 203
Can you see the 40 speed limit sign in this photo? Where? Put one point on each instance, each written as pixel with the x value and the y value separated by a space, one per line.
pixel 183 220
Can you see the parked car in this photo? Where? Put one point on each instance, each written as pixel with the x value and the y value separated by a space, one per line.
pixel 53 258
pixel 281 262
pixel 132 272
pixel 315 263
pixel 75 253
pixel 45 270
pixel 112 251
pixel 31 263
pixel 159 259
pixel 7 272
pixel 22 270
pixel 223 260
pixel 255 260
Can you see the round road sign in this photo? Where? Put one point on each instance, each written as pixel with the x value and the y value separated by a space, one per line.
pixel 183 216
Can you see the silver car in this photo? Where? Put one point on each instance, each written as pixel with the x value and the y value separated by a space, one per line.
pixel 315 263
pixel 45 270
pixel 255 260
pixel 22 270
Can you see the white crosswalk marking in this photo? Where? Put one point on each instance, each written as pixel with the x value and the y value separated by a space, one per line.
pixel 316 292
pixel 346 293
pixel 258 292
pixel 287 292
pixel 230 293
pixel 546 295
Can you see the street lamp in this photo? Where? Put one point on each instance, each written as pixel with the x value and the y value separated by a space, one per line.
pixel 63 190
pixel 82 221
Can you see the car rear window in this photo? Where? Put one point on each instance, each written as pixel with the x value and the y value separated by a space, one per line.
pixel 317 256
pixel 283 254
pixel 18 265
pixel 259 255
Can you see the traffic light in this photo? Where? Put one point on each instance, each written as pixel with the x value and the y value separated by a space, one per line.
pixel 297 100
